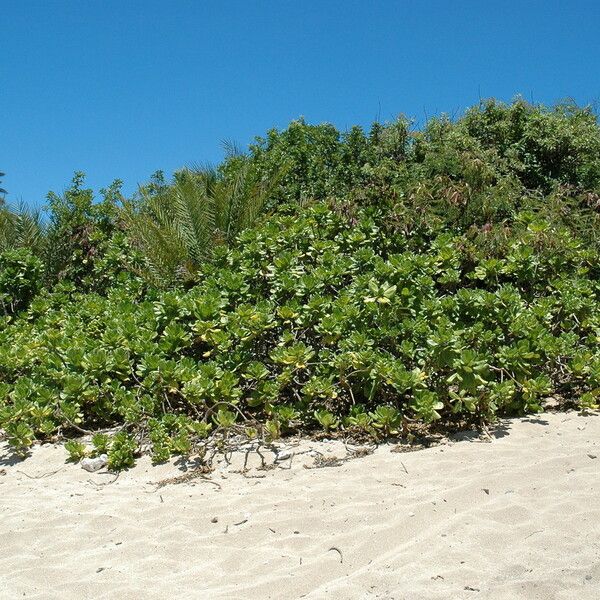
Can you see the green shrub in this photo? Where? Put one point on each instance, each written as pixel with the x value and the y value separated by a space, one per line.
pixel 304 320
pixel 447 275
pixel 76 450
pixel 20 279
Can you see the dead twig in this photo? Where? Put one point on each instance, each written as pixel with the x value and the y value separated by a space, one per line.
pixel 325 461
pixel 41 476
pixel 199 473
pixel 101 485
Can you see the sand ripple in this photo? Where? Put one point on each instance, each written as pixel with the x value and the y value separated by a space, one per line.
pixel 516 518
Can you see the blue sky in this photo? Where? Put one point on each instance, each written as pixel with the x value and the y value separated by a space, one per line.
pixel 121 88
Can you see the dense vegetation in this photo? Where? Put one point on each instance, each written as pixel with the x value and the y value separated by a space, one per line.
pixel 356 282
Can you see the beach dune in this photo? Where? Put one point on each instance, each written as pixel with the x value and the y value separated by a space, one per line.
pixel 518 517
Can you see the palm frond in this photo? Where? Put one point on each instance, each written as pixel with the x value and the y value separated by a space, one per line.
pixel 194 213
pixel 178 226
pixel 21 228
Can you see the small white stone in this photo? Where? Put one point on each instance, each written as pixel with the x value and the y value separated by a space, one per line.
pixel 94 464
pixel 283 455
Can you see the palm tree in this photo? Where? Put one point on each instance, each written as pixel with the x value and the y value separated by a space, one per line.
pixel 178 226
pixel 21 228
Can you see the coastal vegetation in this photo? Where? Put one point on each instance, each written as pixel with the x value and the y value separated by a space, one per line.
pixel 361 283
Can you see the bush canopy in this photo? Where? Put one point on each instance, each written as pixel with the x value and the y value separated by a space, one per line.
pixel 365 283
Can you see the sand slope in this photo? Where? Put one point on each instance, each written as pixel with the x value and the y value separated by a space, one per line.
pixel 515 518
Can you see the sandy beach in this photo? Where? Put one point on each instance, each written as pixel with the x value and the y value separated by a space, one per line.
pixel 518 517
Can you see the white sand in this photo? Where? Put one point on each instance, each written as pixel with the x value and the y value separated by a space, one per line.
pixel 515 518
